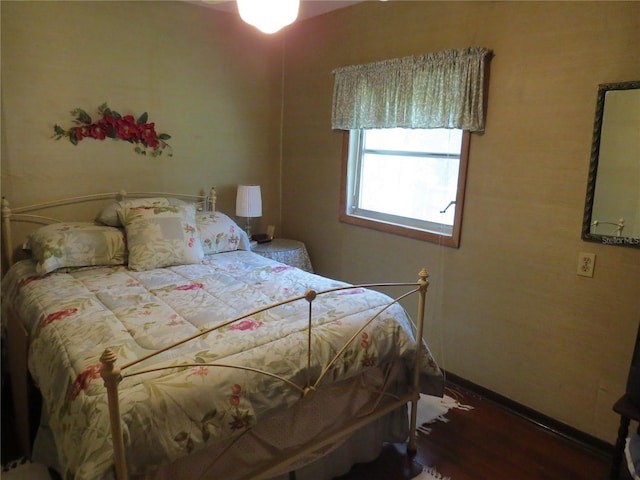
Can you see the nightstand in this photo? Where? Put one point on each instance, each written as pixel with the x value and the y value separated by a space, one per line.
pixel 283 250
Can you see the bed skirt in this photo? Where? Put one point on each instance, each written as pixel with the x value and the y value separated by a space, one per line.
pixel 281 435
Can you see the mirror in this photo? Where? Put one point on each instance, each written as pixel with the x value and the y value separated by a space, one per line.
pixel 612 206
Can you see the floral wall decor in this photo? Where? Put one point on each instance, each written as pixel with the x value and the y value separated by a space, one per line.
pixel 113 125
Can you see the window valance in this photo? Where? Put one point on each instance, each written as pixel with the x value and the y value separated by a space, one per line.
pixel 437 90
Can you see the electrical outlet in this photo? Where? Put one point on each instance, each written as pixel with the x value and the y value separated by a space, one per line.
pixel 586 262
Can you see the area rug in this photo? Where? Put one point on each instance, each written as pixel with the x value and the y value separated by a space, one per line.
pixel 433 409
pixel 23 469
pixel 430 474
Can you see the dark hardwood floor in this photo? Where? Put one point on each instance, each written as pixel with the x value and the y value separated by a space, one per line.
pixel 487 442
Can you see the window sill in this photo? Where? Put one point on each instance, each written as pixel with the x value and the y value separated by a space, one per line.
pixel 416 234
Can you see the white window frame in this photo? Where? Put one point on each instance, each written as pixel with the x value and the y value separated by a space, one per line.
pixel 431 232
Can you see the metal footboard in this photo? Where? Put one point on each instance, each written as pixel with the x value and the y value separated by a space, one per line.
pixel 113 374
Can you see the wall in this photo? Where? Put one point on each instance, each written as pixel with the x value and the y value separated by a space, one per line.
pixel 507 310
pixel 203 76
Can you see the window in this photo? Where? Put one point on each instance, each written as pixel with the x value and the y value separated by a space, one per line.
pixel 406 181
pixel 407 124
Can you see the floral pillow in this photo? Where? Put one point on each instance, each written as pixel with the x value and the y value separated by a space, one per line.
pixel 218 233
pixel 109 215
pixel 76 244
pixel 160 236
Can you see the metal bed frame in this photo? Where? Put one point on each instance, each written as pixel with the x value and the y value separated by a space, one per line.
pixel 113 373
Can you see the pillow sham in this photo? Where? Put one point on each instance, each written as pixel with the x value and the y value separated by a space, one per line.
pixel 218 233
pixel 76 244
pixel 161 236
pixel 109 215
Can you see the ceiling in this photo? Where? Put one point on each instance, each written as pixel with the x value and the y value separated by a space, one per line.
pixel 308 8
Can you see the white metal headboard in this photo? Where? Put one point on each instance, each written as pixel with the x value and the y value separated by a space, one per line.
pixel 205 202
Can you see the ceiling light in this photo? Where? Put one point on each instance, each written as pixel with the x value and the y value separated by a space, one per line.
pixel 268 16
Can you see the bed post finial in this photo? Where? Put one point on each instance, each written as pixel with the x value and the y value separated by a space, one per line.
pixel 423 277
pixel 108 359
pixel 110 373
pixel 213 197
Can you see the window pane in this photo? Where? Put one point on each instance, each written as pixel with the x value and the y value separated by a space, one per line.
pixel 414 187
pixel 406 181
pixel 414 140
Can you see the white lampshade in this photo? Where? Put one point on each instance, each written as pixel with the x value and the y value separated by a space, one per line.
pixel 249 201
pixel 268 16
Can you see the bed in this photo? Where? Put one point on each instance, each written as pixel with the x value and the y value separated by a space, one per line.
pixel 164 348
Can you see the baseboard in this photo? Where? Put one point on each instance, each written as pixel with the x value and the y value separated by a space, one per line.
pixel 562 429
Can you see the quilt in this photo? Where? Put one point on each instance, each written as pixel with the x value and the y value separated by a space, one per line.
pixel 73 315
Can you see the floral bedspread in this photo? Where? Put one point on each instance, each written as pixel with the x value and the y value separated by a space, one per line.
pixel 74 316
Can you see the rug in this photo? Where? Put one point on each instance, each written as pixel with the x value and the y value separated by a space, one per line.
pixel 23 469
pixel 433 409
pixel 430 474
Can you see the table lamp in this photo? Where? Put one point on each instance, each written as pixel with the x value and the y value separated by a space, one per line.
pixel 249 204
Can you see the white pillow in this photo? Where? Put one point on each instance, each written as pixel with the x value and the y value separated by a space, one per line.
pixel 160 236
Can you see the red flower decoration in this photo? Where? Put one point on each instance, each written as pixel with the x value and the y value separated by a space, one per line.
pixel 97 131
pixel 126 128
pixel 148 134
pixel 113 125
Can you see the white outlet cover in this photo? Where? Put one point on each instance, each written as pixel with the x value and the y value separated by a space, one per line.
pixel 586 264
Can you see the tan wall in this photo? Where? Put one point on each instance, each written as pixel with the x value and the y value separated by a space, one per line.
pixel 508 311
pixel 203 76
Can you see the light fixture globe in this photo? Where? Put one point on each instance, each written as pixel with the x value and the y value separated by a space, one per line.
pixel 269 16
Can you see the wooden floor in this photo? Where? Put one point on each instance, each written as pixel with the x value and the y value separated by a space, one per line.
pixel 487 442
